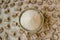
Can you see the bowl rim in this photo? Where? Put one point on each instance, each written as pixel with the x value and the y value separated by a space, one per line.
pixel 41 25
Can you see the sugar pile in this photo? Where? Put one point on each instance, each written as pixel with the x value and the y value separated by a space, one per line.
pixel 30 19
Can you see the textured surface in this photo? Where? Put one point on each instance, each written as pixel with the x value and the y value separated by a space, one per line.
pixel 9 19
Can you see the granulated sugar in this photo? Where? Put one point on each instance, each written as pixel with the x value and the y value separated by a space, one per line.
pixel 30 19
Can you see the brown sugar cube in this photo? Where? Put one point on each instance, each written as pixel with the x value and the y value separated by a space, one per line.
pixel 17 9
pixel 14 34
pixel 21 31
pixel 40 2
pixel 8 18
pixel 1 30
pixel 16 23
pixel 20 3
pixel 0 20
pixel 26 7
pixel 4 5
pixel 37 34
pixel 7 1
pixel 1 1
pixel 15 0
pixel 28 36
pixel 15 15
pixel 33 1
pixel 19 38
pixel 7 11
pixel 28 1
pixel 0 38
pixel 12 4
pixel 8 25
pixel 49 2
pixel 36 7
pixel 59 16
pixel 50 8
pixel 6 35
